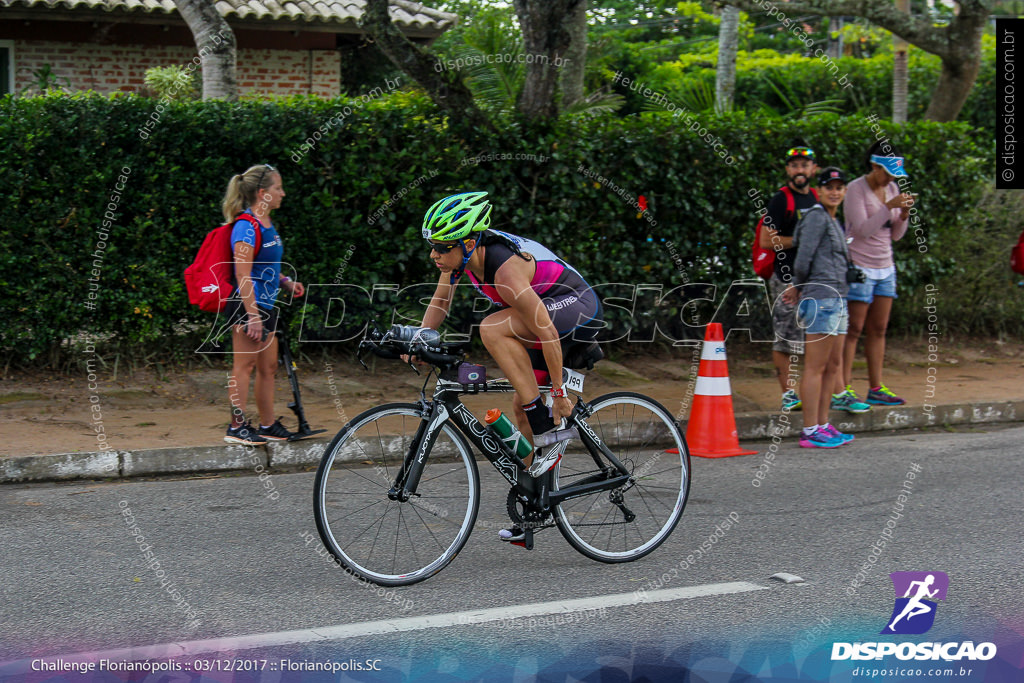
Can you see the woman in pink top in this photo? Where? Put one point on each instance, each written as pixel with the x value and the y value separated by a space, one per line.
pixel 876 216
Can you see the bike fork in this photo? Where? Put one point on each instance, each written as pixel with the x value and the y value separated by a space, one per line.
pixel 408 479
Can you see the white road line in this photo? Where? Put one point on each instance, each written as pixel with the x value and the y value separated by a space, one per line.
pixel 371 628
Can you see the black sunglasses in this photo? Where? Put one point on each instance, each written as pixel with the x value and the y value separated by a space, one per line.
pixel 443 247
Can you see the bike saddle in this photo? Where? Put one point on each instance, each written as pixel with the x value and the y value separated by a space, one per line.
pixel 582 355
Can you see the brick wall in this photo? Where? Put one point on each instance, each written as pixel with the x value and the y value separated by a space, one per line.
pixel 110 68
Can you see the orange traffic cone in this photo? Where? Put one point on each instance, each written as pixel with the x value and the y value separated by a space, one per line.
pixel 712 429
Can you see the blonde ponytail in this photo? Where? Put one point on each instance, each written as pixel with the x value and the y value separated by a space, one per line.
pixel 243 188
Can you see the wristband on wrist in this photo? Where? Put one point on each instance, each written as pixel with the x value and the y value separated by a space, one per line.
pixel 285 278
pixel 558 393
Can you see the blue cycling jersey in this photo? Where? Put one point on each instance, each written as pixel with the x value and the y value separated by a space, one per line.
pixel 266 269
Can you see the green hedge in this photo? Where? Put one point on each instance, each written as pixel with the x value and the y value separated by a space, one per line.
pixel 867 87
pixel 61 157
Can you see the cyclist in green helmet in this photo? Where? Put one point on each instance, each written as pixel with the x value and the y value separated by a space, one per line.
pixel 545 306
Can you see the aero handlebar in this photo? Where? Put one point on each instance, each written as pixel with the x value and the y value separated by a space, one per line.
pixel 422 342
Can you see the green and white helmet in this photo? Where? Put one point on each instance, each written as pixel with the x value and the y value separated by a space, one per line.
pixel 458 216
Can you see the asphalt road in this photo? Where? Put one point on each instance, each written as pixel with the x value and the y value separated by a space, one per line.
pixel 235 564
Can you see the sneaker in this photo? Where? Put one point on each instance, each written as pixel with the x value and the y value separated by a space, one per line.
pixel 276 432
pixel 790 401
pixel 832 431
pixel 544 459
pixel 850 402
pixel 555 436
pixel 245 435
pixel 882 396
pixel 820 439
pixel 513 535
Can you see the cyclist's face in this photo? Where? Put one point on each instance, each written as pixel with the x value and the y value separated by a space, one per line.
pixel 447 256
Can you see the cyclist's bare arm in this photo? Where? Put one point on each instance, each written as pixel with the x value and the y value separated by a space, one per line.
pixel 440 303
pixel 437 310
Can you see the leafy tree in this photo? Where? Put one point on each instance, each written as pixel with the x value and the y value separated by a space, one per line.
pixel 443 86
pixel 957 43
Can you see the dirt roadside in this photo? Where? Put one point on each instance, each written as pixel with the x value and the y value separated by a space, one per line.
pixel 48 413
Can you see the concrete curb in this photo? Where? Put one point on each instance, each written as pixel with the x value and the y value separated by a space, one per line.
pixel 297 454
pixel 767 425
pixel 160 461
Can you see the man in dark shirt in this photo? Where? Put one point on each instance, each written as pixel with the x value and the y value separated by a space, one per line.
pixel 779 225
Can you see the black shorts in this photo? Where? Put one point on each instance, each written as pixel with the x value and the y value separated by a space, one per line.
pixel 235 314
pixel 577 317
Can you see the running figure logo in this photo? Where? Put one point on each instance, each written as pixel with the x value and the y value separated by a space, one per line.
pixel 913 613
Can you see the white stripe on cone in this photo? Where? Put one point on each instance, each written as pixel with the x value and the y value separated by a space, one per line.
pixel 713 351
pixel 712 386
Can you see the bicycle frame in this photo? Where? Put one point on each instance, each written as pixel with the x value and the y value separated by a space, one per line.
pixel 535 492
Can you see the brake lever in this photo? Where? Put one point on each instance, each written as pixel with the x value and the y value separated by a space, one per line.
pixel 411 364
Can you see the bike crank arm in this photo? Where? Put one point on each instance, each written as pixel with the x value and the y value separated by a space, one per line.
pixel 527 541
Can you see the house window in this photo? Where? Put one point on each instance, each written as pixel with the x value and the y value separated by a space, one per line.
pixel 6 66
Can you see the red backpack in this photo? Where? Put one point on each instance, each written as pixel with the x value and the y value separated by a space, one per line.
pixel 211 277
pixel 764 259
pixel 1017 256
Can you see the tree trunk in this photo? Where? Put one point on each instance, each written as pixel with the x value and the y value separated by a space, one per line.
pixel 444 87
pixel 215 42
pixel 899 83
pixel 545 40
pixel 576 56
pixel 899 71
pixel 960 64
pixel 728 44
pixel 954 86
pixel 835 37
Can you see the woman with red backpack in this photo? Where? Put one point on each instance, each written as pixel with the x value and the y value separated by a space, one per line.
pixel 251 310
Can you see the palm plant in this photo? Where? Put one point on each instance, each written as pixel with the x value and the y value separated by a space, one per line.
pixel 793 107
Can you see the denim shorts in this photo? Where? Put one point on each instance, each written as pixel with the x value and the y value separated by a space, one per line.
pixel 867 291
pixel 823 316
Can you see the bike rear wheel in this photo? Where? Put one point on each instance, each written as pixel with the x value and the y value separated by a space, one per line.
pixel 639 432
pixel 389 542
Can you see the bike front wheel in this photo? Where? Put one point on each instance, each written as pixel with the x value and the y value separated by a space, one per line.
pixel 389 542
pixel 631 521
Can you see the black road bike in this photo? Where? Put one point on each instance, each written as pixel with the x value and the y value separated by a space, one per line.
pixel 397 490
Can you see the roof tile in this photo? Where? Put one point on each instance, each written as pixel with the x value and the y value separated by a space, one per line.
pixel 404 13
